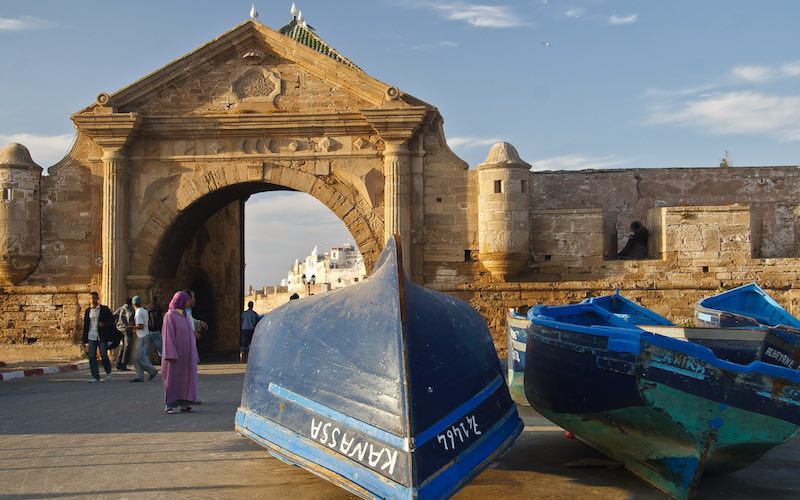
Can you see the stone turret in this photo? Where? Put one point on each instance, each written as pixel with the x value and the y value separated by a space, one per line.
pixel 504 211
pixel 20 239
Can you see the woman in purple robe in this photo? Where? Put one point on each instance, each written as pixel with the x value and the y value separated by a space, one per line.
pixel 179 357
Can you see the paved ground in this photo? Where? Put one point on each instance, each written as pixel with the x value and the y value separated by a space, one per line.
pixel 61 437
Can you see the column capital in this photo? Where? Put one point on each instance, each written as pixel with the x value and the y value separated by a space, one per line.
pixel 396 124
pixel 111 131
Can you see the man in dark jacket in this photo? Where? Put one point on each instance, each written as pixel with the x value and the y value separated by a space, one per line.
pixel 98 331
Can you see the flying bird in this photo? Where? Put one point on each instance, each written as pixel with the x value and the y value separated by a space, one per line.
pixel 547 44
pixel 253 13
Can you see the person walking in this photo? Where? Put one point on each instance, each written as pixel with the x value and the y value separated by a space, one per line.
pixel 249 321
pixel 179 357
pixel 155 315
pixel 125 323
pixel 140 358
pixel 98 331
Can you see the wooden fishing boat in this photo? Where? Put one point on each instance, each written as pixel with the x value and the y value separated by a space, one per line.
pixel 627 310
pixel 658 401
pixel 518 325
pixel 747 305
pixel 385 388
pixel 517 344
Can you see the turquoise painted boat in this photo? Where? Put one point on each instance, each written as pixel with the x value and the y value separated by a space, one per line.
pixel 662 400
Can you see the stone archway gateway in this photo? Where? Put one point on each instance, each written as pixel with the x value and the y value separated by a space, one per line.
pixel 253 110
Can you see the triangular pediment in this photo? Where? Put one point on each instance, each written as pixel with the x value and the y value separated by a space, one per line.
pixel 253 68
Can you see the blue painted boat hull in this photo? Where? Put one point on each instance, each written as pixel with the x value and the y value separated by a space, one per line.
pixel 667 409
pixel 385 388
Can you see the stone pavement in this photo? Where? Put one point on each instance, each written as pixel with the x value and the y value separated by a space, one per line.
pixel 61 437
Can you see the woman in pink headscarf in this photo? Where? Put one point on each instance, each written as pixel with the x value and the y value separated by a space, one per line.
pixel 179 357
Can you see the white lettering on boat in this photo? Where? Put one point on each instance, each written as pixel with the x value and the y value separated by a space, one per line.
pixel 682 362
pixel 780 358
pixel 459 430
pixel 353 446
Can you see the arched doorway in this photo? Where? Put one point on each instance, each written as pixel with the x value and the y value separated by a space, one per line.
pixel 202 249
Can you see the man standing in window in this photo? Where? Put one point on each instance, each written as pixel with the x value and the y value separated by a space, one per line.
pixel 98 331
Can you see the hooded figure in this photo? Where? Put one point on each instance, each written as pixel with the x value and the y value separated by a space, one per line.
pixel 179 357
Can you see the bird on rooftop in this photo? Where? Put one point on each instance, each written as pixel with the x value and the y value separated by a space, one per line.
pixel 253 12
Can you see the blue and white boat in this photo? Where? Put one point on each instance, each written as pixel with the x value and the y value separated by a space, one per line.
pixel 747 305
pixel 518 325
pixel 667 402
pixel 385 388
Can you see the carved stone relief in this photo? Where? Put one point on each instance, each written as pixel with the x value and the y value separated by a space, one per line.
pixel 255 89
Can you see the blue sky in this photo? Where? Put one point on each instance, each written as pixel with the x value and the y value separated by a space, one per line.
pixel 578 84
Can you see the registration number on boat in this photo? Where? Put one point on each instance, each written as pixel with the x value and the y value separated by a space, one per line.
pixel 459 433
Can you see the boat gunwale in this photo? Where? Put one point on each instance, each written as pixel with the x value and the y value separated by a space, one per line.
pixel 698 351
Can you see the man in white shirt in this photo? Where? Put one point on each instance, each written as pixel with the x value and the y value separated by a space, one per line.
pixel 140 360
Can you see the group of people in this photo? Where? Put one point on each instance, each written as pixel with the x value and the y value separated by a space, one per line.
pixel 175 335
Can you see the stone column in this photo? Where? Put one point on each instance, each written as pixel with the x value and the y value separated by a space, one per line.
pixel 115 230
pixel 112 131
pixel 397 208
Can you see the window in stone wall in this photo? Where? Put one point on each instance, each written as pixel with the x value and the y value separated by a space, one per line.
pixel 522 187
pixel 498 186
pixel 7 193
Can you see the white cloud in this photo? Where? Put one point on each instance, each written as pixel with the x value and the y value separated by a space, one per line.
pixel 619 20
pixel 481 16
pixel 22 23
pixel 575 12
pixel 578 162
pixel 791 69
pixel 739 112
pixel 46 150
pixel 470 142
pixel 657 92
pixel 753 74
pixel 440 44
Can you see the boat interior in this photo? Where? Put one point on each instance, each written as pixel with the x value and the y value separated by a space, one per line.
pixel 754 303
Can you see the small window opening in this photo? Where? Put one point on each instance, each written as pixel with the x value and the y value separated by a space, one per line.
pixel 438 200
pixel 547 257
pixel 355 280
pixel 498 186
pixel 705 269
pixel 7 192
pixel 467 255
pixel 522 186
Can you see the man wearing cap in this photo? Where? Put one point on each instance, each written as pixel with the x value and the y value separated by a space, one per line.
pixel 140 360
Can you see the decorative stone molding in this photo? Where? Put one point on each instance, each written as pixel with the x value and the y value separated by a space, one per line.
pixel 396 124
pixel 109 131
pixel 256 90
pixel 254 57
pixel 327 144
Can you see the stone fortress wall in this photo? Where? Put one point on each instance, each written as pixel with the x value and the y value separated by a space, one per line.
pixel 151 197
